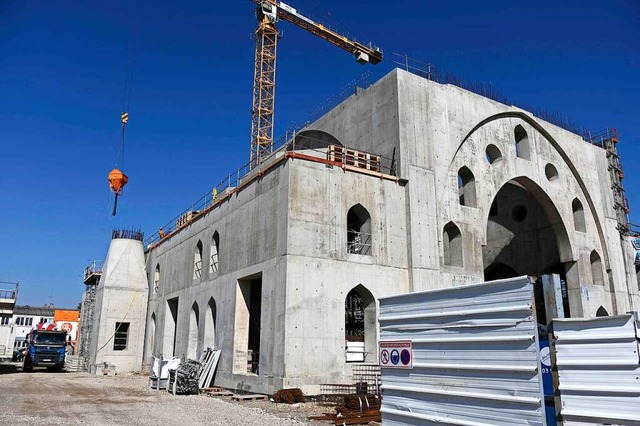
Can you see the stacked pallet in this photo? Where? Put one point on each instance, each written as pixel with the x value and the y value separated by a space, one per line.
pixel 215 391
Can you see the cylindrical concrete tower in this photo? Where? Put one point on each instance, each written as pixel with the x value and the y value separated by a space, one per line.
pixel 121 305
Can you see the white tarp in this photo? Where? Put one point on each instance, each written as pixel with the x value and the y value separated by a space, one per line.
pixel 167 364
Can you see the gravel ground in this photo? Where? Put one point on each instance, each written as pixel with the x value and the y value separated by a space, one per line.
pixel 49 398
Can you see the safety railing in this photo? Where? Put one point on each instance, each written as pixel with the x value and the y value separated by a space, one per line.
pixel 197 269
pixel 358 242
pixel 290 142
pixel 601 137
pixel 8 294
pixel 94 268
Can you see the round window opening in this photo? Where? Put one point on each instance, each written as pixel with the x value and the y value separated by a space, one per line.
pixel 519 213
pixel 551 172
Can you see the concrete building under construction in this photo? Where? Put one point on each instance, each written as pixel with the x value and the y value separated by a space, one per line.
pixel 405 186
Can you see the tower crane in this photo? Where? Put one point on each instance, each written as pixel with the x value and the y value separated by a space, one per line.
pixel 268 13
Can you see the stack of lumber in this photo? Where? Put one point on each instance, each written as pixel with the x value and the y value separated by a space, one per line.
pixel 184 379
pixel 357 409
pixel 209 360
pixel 289 396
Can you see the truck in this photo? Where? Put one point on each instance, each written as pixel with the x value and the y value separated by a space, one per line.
pixel 45 348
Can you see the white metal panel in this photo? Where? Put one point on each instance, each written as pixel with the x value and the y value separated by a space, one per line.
pixel 475 356
pixel 598 366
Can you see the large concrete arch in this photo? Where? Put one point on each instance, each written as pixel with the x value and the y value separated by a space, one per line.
pixel 574 171
pixel 548 205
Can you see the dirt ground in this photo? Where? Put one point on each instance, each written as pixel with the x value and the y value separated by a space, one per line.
pixel 50 398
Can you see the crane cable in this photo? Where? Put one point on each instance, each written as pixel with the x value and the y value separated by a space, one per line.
pixel 117 178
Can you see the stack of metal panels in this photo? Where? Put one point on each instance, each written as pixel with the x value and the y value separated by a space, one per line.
pixel 474 360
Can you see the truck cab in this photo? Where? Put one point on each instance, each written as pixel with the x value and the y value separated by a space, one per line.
pixel 45 349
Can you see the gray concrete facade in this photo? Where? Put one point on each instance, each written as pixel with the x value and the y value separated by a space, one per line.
pixel 485 190
pixel 117 337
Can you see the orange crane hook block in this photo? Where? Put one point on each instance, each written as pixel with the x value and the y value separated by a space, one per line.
pixel 117 181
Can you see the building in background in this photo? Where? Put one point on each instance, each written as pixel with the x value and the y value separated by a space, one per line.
pixel 8 297
pixel 26 318
pixel 68 320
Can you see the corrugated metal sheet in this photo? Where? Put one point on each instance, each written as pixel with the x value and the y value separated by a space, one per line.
pixel 598 366
pixel 475 356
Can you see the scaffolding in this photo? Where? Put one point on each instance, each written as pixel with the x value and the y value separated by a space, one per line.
pixel 607 139
pixel 92 274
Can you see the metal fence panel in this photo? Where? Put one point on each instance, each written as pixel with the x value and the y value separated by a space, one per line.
pixel 475 356
pixel 598 370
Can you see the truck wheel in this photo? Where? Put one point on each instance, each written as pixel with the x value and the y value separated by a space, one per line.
pixel 26 364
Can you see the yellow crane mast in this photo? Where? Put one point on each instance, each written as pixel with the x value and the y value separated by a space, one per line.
pixel 268 13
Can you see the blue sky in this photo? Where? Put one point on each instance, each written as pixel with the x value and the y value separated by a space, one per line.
pixel 62 72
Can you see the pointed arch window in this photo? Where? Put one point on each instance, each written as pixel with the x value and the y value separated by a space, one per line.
pixel 215 258
pixel 359 231
pixel 452 245
pixel 192 343
pixel 197 261
pixel 597 274
pixel 156 279
pixel 466 187
pixel 523 148
pixel 360 325
pixel 210 325
pixel 578 216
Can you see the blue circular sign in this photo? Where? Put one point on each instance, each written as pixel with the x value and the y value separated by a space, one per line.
pixel 405 357
pixel 395 357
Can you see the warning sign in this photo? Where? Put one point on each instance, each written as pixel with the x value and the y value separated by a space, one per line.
pixel 396 354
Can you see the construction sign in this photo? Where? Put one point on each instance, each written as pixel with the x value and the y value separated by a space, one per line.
pixel 396 354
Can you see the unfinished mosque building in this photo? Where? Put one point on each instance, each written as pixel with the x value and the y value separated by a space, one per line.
pixel 407 185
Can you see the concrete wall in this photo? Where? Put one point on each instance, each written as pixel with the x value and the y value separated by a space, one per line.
pixel 121 297
pixel 252 226
pixel 290 228
pixel 320 272
pixel 438 129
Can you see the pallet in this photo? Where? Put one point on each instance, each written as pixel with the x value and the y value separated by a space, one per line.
pixel 248 397
pixel 213 389
pixel 218 393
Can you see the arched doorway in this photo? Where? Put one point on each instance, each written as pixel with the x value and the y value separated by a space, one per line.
pixel 526 236
pixel 210 325
pixel 192 346
pixel 360 325
pixel 151 339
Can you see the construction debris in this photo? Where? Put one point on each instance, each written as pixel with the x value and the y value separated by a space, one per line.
pixel 362 402
pixel 184 379
pixel 367 409
pixel 289 396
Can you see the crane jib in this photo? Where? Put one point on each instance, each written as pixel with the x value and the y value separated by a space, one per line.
pixel 269 12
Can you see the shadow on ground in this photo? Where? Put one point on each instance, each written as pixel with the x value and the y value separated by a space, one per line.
pixel 6 368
